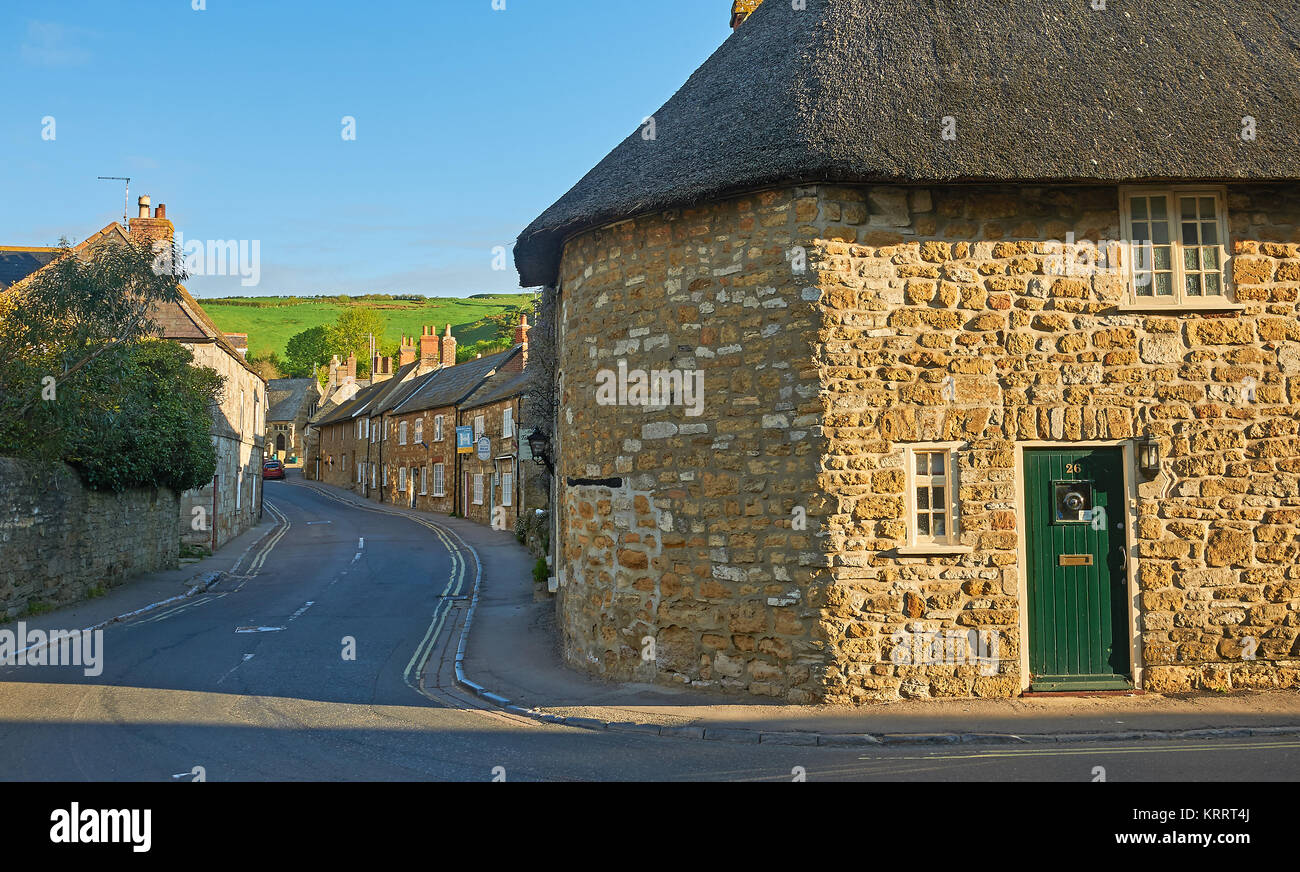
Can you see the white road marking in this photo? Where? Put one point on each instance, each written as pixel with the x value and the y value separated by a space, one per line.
pixel 298 614
pixel 313 523
pixel 361 543
pixel 258 629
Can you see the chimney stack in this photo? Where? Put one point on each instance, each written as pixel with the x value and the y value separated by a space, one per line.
pixel 428 346
pixel 520 360
pixel 406 352
pixel 150 231
pixel 447 350
pixel 351 368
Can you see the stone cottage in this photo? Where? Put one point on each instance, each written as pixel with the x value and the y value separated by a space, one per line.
pixel 217 513
pixel 939 349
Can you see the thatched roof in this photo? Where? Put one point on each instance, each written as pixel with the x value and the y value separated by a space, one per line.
pixel 1041 90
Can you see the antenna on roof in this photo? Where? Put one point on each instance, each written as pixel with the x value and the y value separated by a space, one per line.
pixel 126 202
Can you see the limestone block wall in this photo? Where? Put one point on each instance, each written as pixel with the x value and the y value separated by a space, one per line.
pixel 59 539
pixel 680 528
pixel 757 543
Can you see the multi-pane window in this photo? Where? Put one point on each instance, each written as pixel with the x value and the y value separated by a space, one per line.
pixel 419 430
pixel 424 480
pixel 385 475
pixel 401 433
pixel 374 475
pixel 401 478
pixel 507 488
pixel 478 489
pixel 1177 246
pixel 437 428
pixel 508 423
pixel 931 497
pixel 439 480
pixel 480 424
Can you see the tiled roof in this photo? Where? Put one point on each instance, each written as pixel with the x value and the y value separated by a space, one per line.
pixel 450 385
pixel 350 409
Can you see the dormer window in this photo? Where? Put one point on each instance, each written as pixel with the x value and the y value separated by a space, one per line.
pixel 1176 246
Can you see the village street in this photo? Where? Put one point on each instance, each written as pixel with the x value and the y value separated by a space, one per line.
pixel 249 682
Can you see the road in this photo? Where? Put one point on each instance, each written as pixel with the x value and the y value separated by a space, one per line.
pixel 250 681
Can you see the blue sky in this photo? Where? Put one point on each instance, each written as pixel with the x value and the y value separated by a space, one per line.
pixel 469 122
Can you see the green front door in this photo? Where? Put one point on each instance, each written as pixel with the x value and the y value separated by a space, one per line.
pixel 1078 607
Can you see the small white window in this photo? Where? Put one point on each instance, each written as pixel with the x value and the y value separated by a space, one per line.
pixel 374 475
pixel 480 425
pixel 508 423
pixel 424 480
pixel 401 433
pixel 1176 246
pixel 419 430
pixel 439 480
pixel 931 493
pixel 401 478
pixel 385 429
pixel 478 489
pixel 507 488
pixel 437 428
pixel 385 475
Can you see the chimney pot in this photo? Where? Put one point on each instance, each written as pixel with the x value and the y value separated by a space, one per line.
pixel 161 211
pixel 143 203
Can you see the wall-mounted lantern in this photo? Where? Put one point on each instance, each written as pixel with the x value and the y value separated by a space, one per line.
pixel 540 445
pixel 1148 456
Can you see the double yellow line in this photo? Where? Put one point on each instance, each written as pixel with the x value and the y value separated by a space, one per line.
pixel 455 584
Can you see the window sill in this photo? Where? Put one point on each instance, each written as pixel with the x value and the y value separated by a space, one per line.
pixel 1153 308
pixel 931 550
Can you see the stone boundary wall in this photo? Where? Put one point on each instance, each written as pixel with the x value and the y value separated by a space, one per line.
pixel 59 540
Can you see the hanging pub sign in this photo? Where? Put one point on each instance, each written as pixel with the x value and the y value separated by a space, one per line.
pixel 465 440
pixel 484 448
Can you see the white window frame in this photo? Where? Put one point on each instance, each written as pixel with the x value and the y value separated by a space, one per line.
pixel 437 428
pixel 385 475
pixel 374 475
pixel 419 431
pixel 480 426
pixel 478 488
pixel 439 480
pixel 1133 254
pixel 507 422
pixel 507 488
pixel 401 433
pixel 950 484
pixel 424 481
pixel 401 479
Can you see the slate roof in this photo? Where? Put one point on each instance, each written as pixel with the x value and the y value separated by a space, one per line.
pixel 501 386
pixel 1041 91
pixel 353 407
pixel 17 263
pixel 287 396
pixel 450 385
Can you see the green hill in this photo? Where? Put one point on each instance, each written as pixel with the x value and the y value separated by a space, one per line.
pixel 271 321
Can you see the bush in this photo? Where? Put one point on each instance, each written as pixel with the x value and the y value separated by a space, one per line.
pixel 540 571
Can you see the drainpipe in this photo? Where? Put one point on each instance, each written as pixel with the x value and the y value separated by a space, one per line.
pixel 215 481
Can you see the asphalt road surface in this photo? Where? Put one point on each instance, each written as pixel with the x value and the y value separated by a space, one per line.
pixel 250 681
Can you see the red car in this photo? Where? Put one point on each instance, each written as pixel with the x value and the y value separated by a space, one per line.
pixel 272 469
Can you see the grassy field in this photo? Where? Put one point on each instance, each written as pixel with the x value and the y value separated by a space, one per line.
pixel 271 321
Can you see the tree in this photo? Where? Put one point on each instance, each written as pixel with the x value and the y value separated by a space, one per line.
pixel 351 334
pixel 81 379
pixel 307 351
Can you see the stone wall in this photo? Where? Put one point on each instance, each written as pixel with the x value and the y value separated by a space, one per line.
pixel 681 527
pixel 59 539
pixel 504 459
pixel 689 530
pixel 908 300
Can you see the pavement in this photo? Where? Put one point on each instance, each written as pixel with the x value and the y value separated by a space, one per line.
pixel 511 659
